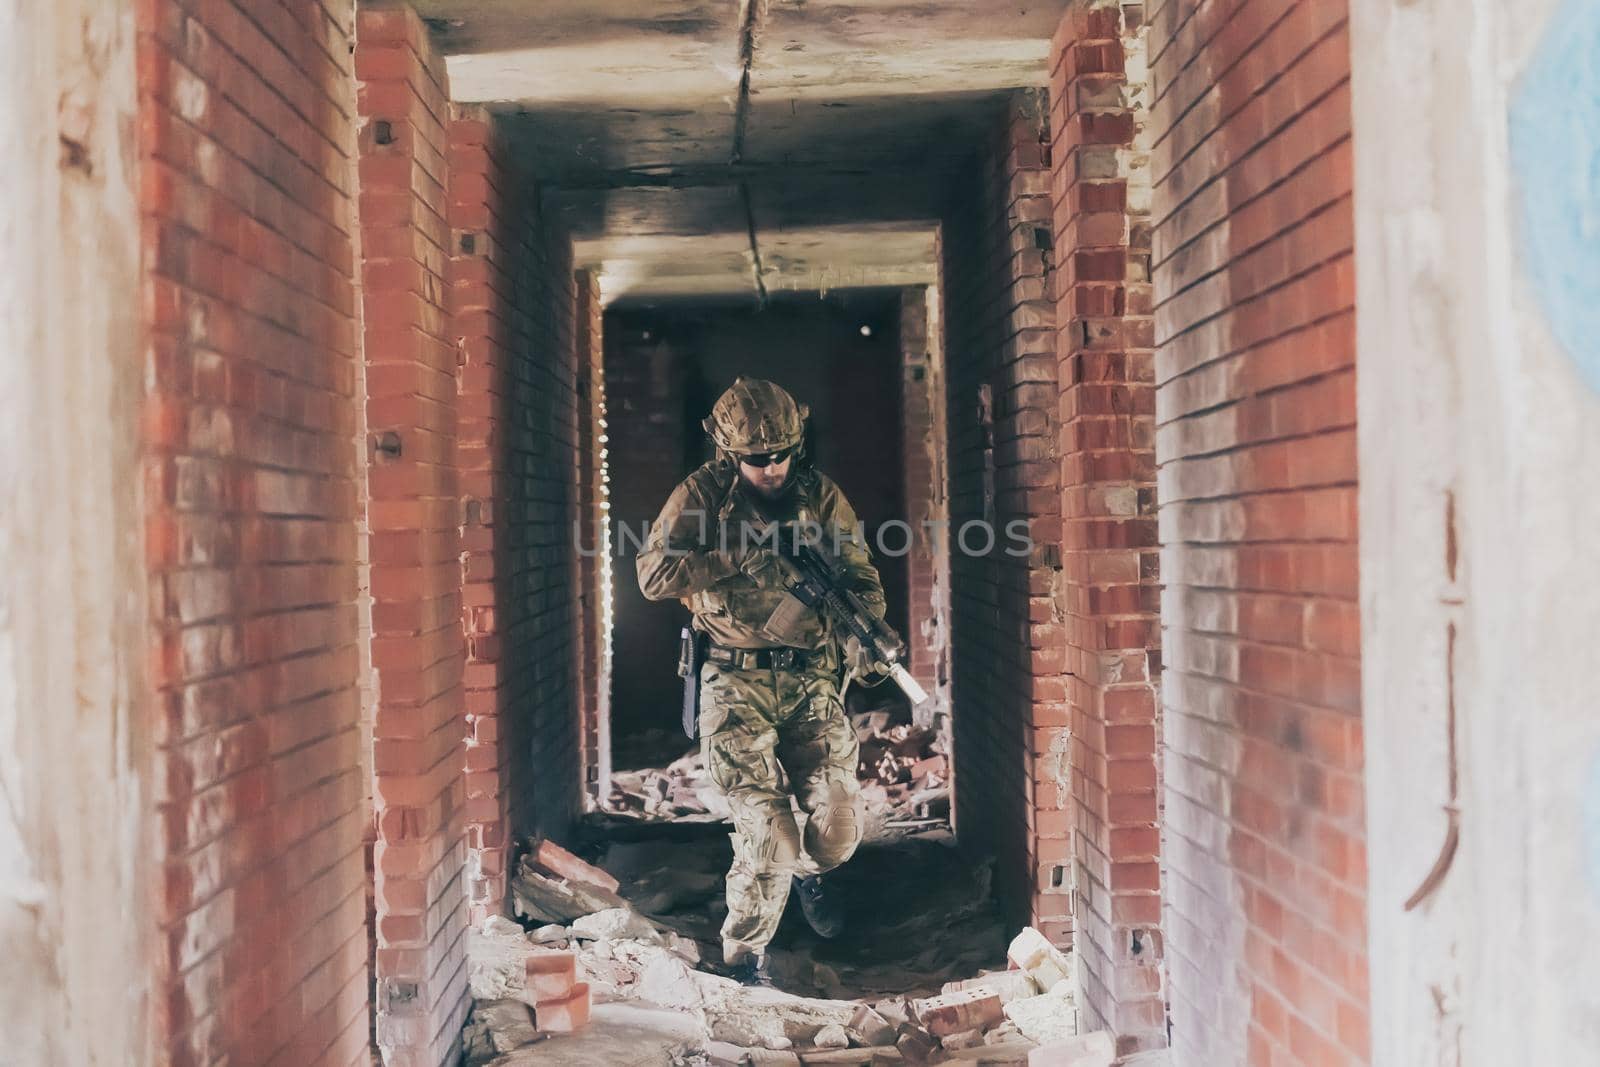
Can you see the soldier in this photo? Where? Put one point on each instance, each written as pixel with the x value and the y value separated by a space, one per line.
pixel 767 701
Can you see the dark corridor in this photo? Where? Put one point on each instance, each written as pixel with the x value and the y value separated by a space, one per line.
pixel 664 368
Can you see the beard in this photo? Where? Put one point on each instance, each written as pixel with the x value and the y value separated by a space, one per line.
pixel 768 491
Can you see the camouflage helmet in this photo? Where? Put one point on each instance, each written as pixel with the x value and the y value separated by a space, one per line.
pixel 755 415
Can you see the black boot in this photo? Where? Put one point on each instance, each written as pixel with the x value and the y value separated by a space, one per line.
pixel 751 971
pixel 821 911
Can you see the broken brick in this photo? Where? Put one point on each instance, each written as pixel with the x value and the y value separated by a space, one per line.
pixel 1047 965
pixel 871 1027
pixel 551 975
pixel 968 1009
pixel 916 1044
pixel 555 860
pixel 962 1039
pixel 1011 985
pixel 565 1015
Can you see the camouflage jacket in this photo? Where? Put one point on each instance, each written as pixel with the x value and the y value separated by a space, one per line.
pixel 682 556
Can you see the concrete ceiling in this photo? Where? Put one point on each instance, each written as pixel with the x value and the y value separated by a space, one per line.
pixel 663 156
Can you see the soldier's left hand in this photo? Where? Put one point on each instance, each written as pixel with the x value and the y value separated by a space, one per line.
pixel 862 667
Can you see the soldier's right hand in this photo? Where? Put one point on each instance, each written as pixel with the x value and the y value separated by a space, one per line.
pixel 750 553
pixel 760 564
pixel 752 560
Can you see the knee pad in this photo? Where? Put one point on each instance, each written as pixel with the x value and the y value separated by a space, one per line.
pixel 771 840
pixel 784 849
pixel 838 831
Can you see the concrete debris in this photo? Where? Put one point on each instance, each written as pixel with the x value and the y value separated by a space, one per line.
pixel 1012 1053
pixel 722 1054
pixel 962 1039
pixel 619 1034
pixel 766 1018
pixel 607 979
pixel 497 959
pixel 1005 1032
pixel 557 900
pixel 614 924
pixel 1089 1050
pixel 894 1012
pixel 617 944
pixel 664 978
pixel 856 1057
pixel 554 935
pixel 831 1036
pixel 1045 964
pixel 637 971
pixel 495 1028
pixel 685 948
pixel 1046 1018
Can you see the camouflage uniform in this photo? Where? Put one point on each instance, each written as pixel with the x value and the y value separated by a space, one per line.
pixel 755 721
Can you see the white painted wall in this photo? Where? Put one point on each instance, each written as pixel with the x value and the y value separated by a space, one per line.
pixel 73 911
pixel 1469 394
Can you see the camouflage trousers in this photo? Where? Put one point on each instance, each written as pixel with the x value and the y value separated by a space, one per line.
pixel 752 722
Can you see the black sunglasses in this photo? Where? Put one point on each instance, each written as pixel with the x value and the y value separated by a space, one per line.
pixel 763 459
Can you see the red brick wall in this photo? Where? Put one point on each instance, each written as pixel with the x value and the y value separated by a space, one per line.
pixel 923 455
pixel 1100 188
pixel 245 137
pixel 513 302
pixel 1256 406
pixel 414 514
pixel 1007 634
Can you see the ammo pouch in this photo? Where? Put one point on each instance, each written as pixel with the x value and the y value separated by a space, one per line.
pixel 691 654
pixel 787 619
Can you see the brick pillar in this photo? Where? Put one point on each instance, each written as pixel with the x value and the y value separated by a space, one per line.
pixel 417 647
pixel 923 451
pixel 476 265
pixel 514 311
pixel 593 534
pixel 243 142
pixel 1103 305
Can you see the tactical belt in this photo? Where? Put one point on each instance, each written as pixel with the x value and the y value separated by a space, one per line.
pixel 761 659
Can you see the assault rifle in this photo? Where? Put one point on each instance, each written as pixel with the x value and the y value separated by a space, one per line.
pixel 814 581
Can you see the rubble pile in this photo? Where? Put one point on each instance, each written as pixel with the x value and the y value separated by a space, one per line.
pixel 620 946
pixel 904 773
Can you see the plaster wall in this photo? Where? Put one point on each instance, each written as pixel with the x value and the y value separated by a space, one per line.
pixel 73 745
pixel 1477 135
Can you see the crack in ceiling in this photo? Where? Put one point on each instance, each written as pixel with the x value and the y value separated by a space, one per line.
pixel 813 136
